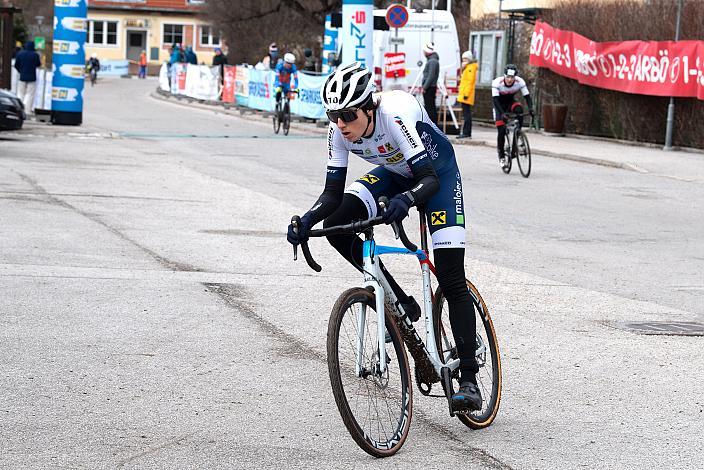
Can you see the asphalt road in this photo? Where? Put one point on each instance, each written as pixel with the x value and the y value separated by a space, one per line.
pixel 153 317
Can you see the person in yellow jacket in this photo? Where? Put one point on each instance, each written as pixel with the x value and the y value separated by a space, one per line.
pixel 466 94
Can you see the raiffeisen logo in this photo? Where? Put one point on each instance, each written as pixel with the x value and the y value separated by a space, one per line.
pixel 410 139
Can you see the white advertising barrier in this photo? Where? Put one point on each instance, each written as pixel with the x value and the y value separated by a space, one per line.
pixel 114 67
pixel 14 78
pixel 308 103
pixel 202 82
pixel 260 90
pixel 178 78
pixel 42 97
pixel 242 85
pixel 164 77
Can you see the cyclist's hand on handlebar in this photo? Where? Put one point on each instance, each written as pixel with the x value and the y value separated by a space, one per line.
pixel 397 210
pixel 299 235
pixel 278 89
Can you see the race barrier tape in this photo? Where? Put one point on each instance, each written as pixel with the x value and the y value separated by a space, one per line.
pixel 657 68
pixel 242 85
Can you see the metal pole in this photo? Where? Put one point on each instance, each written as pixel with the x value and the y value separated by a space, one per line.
pixel 671 106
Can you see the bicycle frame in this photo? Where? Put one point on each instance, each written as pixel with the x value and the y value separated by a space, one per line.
pixel 375 279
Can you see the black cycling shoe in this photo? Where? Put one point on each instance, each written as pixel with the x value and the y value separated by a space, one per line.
pixel 468 397
pixel 412 309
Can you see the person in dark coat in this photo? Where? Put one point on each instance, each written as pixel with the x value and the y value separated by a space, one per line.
pixel 191 56
pixel 26 63
pixel 431 72
pixel 309 65
pixel 220 60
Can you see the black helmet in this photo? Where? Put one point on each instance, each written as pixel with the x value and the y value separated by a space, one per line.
pixel 511 71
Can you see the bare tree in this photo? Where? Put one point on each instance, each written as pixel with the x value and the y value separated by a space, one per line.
pixel 249 26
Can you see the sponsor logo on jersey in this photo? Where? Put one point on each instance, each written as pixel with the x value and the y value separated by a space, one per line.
pixel 330 134
pixel 389 147
pixel 395 159
pixel 369 178
pixel 404 129
pixel 460 219
pixel 381 149
pixel 428 144
pixel 377 138
pixel 367 152
pixel 442 243
pixel 357 151
pixel 438 218
pixel 418 158
pixel 457 196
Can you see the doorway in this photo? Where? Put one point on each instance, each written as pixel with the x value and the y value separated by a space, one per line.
pixel 136 43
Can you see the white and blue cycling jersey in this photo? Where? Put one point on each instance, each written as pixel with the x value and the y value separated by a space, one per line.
pixel 404 141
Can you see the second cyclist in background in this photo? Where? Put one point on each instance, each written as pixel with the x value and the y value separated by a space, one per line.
pixel 503 95
pixel 286 76
pixel 92 67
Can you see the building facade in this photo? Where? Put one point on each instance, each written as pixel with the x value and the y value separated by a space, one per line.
pixel 122 29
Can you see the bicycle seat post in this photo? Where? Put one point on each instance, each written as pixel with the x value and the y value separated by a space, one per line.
pixel 423 229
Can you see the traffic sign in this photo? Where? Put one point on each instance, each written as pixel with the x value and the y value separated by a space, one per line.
pixel 39 43
pixel 396 41
pixel 396 16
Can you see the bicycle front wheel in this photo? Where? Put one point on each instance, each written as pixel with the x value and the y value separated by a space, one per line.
pixel 487 354
pixel 524 158
pixel 277 122
pixel 508 152
pixel 375 406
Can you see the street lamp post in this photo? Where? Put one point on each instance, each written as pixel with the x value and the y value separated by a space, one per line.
pixel 671 106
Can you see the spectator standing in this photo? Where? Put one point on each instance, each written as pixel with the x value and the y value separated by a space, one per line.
pixel 273 56
pixel 143 65
pixel 220 61
pixel 176 55
pixel 310 64
pixel 431 72
pixel 26 63
pixel 466 93
pixel 191 56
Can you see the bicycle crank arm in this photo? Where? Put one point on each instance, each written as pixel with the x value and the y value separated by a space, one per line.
pixel 445 375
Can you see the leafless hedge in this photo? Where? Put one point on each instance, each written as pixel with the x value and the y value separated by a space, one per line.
pixel 596 111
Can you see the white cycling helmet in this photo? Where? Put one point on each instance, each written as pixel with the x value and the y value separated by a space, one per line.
pixel 350 86
pixel 289 58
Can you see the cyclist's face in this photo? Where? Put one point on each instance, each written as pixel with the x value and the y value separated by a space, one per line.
pixel 287 65
pixel 352 131
pixel 508 80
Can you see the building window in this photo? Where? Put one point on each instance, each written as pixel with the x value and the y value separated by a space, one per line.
pixel 102 33
pixel 207 38
pixel 488 49
pixel 173 34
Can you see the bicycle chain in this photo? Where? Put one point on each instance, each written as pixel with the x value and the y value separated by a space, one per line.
pixel 425 371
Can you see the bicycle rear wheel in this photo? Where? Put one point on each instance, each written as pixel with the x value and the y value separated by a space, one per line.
pixel 277 122
pixel 524 158
pixel 375 407
pixel 287 118
pixel 489 376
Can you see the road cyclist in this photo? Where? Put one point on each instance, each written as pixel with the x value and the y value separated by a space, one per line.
pixel 415 165
pixel 503 96
pixel 92 68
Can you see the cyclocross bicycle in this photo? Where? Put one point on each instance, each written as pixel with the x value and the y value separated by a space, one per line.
pixel 368 334
pixel 282 113
pixel 516 146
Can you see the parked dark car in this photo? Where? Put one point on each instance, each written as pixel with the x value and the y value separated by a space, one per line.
pixel 12 113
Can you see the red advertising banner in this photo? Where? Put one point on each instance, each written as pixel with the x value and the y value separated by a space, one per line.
pixel 228 85
pixel 395 64
pixel 658 68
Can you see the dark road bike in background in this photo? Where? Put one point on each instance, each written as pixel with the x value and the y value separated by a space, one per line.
pixel 516 146
pixel 282 112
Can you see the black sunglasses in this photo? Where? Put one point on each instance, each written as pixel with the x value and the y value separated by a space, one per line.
pixel 347 115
